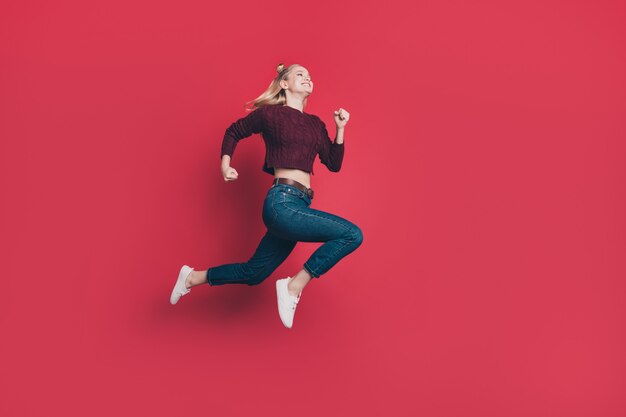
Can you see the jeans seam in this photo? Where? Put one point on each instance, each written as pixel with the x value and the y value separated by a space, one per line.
pixel 246 279
pixel 274 213
pixel 311 214
pixel 334 253
pixel 333 220
pixel 271 262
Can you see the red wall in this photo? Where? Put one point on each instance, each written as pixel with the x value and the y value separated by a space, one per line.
pixel 484 163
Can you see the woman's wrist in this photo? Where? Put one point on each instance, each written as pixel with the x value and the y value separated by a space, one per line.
pixel 339 136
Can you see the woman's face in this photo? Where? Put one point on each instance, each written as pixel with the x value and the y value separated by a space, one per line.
pixel 299 81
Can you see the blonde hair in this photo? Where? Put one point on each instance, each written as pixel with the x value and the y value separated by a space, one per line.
pixel 274 94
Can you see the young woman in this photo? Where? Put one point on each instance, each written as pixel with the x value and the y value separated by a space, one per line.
pixel 293 139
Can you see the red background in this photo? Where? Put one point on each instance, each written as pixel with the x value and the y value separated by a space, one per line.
pixel 485 164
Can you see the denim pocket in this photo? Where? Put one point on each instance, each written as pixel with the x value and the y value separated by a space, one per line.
pixel 292 191
pixel 288 193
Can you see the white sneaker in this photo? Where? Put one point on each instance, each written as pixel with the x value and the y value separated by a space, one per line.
pixel 179 288
pixel 286 303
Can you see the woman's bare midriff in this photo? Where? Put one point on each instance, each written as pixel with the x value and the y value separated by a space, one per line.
pixel 302 177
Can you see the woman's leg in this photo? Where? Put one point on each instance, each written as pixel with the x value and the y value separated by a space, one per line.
pixel 298 222
pixel 269 254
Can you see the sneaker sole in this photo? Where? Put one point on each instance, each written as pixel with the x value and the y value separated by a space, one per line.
pixel 183 276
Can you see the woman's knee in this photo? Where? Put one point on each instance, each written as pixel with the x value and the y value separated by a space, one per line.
pixel 356 235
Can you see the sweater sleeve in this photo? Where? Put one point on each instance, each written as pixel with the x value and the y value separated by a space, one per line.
pixel 331 153
pixel 240 129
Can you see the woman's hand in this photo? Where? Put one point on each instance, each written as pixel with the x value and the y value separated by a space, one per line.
pixel 229 174
pixel 341 118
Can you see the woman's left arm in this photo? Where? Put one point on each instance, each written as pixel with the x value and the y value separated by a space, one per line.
pixel 341 118
pixel 331 153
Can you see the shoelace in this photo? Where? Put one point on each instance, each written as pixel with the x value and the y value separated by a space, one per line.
pixel 295 303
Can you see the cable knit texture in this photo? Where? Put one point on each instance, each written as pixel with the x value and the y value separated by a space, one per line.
pixel 292 138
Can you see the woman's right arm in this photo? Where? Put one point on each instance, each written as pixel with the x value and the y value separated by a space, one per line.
pixel 229 173
pixel 242 128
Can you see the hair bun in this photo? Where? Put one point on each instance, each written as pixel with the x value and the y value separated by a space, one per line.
pixel 280 67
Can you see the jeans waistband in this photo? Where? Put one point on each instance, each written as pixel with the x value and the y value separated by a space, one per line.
pixel 294 183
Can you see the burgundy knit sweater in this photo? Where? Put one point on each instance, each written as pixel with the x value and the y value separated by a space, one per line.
pixel 292 138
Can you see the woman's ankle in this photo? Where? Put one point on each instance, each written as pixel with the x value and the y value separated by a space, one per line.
pixel 196 278
pixel 297 283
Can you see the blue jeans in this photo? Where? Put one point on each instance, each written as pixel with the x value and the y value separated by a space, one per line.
pixel 289 220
